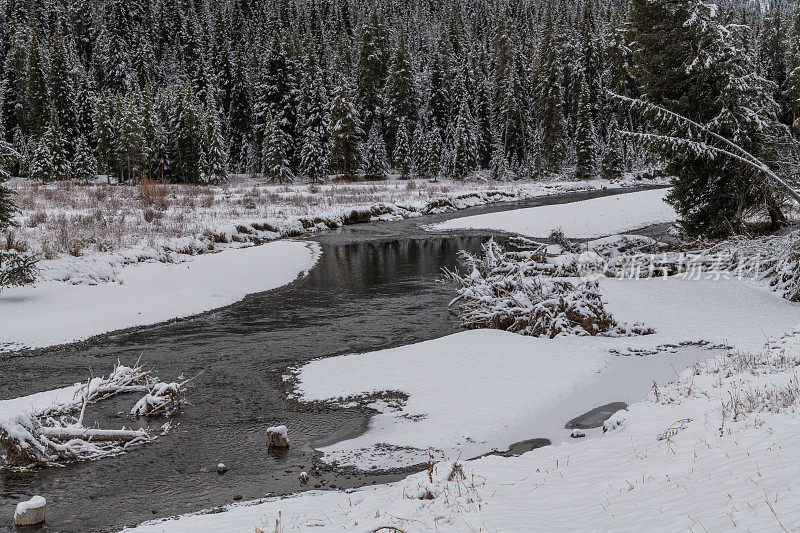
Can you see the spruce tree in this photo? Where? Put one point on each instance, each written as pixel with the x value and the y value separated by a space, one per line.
pixel 63 90
pixel 239 113
pixel 462 156
pixel 612 165
pixel 432 162
pixel 37 106
pixel 402 100
pixel 550 98
pixel 371 70
pixel 187 137
pixel 346 133
pixel 50 160
pixel 313 120
pixel 214 157
pixel 84 163
pixel 792 83
pixel 585 140
pixel 376 163
pixel 275 162
pixel 719 90
pixel 129 145
pixel 402 152
pixel 105 134
pixel 8 157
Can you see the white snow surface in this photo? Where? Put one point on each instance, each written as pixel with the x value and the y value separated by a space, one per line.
pixel 54 312
pixel 585 219
pixel 38 401
pixel 481 390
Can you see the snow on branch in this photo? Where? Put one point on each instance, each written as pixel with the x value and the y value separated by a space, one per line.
pixel 689 136
pixel 53 435
pixel 508 291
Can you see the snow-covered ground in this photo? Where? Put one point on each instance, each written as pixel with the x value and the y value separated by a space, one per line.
pixel 473 392
pixel 713 450
pixel 55 312
pixel 586 219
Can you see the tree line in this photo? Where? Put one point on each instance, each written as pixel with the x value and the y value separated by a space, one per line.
pixel 192 90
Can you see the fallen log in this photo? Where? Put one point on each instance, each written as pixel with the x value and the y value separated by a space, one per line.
pixel 97 435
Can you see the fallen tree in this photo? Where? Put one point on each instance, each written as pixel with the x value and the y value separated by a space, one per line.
pixel 54 435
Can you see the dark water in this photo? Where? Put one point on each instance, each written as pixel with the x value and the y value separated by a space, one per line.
pixel 370 290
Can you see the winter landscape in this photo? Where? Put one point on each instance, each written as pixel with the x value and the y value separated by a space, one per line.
pixel 360 265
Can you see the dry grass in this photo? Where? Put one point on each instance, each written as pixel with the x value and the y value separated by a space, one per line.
pixel 70 218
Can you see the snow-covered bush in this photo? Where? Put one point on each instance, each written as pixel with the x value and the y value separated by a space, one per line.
pixel 507 290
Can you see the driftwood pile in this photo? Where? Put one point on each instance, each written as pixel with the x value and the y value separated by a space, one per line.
pixel 56 434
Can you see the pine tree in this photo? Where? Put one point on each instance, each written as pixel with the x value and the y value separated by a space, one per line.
pixel 376 162
pixel 187 137
pixel 312 156
pixel 720 90
pixel 792 84
pixel 432 162
pixel 511 119
pixel 372 65
pixel 585 140
pixel 37 106
pixel 105 134
pixel 8 157
pixel 50 157
pixel 84 164
pixel 612 165
pixel 239 113
pixel 129 139
pixel 402 152
pixel 462 154
pixel 313 120
pixel 483 121
pixel 63 90
pixel 213 155
pixel 346 133
pixel 402 100
pixel 275 162
pixel 551 98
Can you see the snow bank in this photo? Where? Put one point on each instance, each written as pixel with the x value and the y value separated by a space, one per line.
pixel 52 313
pixel 38 401
pixel 469 393
pixel 585 219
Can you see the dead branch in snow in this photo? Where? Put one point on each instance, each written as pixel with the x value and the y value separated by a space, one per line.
pixel 51 435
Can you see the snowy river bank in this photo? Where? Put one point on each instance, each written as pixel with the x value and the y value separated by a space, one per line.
pixel 375 287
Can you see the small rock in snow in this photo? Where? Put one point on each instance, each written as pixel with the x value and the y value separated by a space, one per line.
pixel 303 478
pixel 577 433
